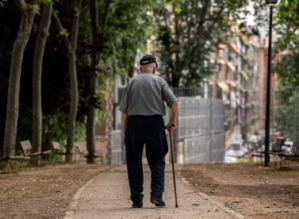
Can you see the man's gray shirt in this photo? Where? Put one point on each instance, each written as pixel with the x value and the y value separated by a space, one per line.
pixel 145 95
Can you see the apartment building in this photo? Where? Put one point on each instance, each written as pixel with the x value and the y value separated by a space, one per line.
pixel 238 77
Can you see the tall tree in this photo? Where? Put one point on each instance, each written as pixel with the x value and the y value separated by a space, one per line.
pixel 43 33
pixel 97 41
pixel 287 44
pixel 116 29
pixel 72 48
pixel 190 30
pixel 28 11
pixel 130 25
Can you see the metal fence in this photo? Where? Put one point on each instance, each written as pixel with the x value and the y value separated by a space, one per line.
pixel 200 135
pixel 285 113
pixel 187 92
pixel 117 149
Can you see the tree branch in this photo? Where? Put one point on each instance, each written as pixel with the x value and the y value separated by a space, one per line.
pixel 105 17
pixel 21 4
pixel 200 27
pixel 75 29
pixel 202 20
pixel 60 28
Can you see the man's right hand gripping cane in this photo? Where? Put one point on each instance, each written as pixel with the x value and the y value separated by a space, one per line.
pixel 171 126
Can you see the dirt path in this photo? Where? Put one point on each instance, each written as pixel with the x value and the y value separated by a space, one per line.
pixel 212 191
pixel 250 189
pixel 43 192
pixel 106 196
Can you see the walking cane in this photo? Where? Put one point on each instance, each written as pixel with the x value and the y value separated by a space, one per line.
pixel 173 172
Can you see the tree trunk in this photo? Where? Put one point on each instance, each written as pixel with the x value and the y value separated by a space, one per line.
pixel 109 120
pixel 93 79
pixel 43 33
pixel 12 110
pixel 73 82
pixel 90 125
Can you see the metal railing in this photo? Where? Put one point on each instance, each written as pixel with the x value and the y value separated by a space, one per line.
pixel 200 134
pixel 285 114
pixel 187 92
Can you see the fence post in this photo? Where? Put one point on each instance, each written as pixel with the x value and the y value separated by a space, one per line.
pixel 211 131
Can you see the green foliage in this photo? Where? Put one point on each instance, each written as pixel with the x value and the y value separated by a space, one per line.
pixel 55 81
pixel 286 24
pixel 120 32
pixel 128 28
pixel 287 44
pixel 130 25
pixel 55 129
pixel 36 9
pixel 46 2
pixel 188 32
pixel 288 69
pixel 64 33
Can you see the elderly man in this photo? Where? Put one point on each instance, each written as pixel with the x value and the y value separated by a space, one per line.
pixel 143 108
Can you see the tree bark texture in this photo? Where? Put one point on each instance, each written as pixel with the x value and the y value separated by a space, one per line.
pixel 73 82
pixel 43 33
pixel 12 110
pixel 110 119
pixel 93 79
pixel 90 125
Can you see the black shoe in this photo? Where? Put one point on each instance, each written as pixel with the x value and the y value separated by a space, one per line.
pixel 137 204
pixel 158 201
pixel 137 201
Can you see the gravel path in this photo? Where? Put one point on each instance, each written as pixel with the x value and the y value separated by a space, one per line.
pixel 107 196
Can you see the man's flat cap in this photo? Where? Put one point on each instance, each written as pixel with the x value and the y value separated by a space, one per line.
pixel 147 59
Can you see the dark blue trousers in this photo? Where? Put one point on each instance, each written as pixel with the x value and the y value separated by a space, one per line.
pixel 149 131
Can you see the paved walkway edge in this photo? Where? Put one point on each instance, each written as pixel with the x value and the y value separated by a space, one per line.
pixel 218 204
pixel 74 203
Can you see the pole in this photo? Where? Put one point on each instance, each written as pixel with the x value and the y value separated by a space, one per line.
pixel 173 172
pixel 268 92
